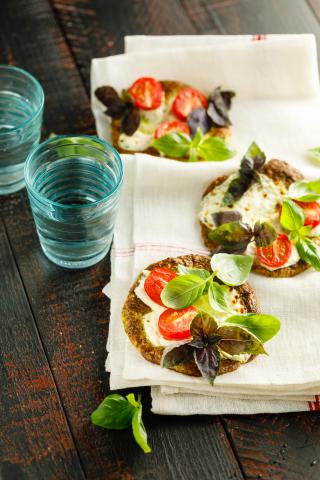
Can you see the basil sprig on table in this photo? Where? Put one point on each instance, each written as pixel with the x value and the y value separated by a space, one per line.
pixel 250 166
pixel 292 220
pixel 187 288
pixel 116 412
pixel 239 334
pixel 179 145
pixel 215 115
pixel 234 237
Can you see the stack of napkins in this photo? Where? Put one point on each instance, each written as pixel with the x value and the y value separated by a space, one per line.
pixel 160 203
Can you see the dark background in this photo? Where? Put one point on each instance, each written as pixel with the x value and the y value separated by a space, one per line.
pixel 54 322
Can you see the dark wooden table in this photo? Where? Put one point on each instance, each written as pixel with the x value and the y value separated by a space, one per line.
pixel 54 322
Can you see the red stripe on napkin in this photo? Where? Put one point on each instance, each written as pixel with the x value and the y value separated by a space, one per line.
pixel 260 36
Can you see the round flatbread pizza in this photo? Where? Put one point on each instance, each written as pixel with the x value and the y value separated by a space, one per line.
pixel 234 208
pixel 152 327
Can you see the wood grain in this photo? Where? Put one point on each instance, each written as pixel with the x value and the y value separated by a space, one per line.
pixel 35 441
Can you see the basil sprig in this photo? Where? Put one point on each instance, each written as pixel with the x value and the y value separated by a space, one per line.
pixel 179 145
pixel 292 219
pixel 305 191
pixel 187 288
pixel 116 412
pixel 239 334
pixel 250 165
pixel 234 237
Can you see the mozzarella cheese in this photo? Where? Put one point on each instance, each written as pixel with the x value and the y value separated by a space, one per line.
pixel 150 319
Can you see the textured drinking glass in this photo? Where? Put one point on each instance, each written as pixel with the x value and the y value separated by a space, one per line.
pixel 21 109
pixel 73 184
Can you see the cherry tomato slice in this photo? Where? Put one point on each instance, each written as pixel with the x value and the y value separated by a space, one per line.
pixel 172 126
pixel 146 93
pixel 311 211
pixel 175 324
pixel 156 281
pixel 277 254
pixel 187 100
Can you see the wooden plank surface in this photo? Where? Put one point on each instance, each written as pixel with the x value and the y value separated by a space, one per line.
pixel 70 313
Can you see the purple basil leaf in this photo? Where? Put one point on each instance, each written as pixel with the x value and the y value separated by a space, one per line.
pixel 264 234
pixel 218 108
pixel 207 360
pixel 198 118
pixel 231 237
pixel 228 96
pixel 197 342
pixel 107 95
pixel 116 109
pixel 130 121
pixel 220 218
pixel 250 165
pixel 176 356
pixel 202 325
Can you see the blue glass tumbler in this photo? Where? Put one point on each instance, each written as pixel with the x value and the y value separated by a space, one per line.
pixel 73 184
pixel 21 109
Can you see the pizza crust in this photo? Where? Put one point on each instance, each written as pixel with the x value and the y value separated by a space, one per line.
pixel 277 170
pixel 170 87
pixel 134 310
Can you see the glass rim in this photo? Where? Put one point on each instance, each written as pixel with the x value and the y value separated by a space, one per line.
pixel 38 86
pixel 45 200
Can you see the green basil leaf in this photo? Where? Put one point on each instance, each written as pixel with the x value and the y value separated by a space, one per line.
pixel 236 340
pixel 262 326
pixel 197 138
pixel 177 355
pixel 200 272
pixel 215 149
pixel 139 431
pixel 114 412
pixel 249 166
pixel 314 154
pixel 304 231
pixel 175 144
pixel 305 191
pixel 232 237
pixel 264 234
pixel 203 305
pixel 183 291
pixel 292 216
pixel 203 324
pixel 207 360
pixel 219 297
pixel 232 270
pixel 309 252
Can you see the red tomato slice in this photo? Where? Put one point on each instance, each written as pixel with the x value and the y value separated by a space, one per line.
pixel 156 281
pixel 146 93
pixel 172 126
pixel 311 211
pixel 277 254
pixel 175 324
pixel 187 100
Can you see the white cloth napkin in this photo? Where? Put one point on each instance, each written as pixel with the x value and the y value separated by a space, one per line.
pixel 157 218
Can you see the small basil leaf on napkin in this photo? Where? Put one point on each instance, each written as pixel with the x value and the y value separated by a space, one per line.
pixel 183 291
pixel 232 270
pixel 232 237
pixel 249 167
pixel 218 106
pixel 262 326
pixel 207 360
pixel 236 341
pixel 114 412
pixel 264 234
pixel 292 216
pixel 199 119
pixel 175 144
pixel 314 154
pixel 177 355
pixel 305 191
pixel 200 272
pixel 219 297
pixel 138 429
pixel 227 216
pixel 309 252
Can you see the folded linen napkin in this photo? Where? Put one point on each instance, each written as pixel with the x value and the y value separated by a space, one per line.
pixel 262 120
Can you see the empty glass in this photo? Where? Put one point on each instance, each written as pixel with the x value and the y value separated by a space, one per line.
pixel 21 109
pixel 73 183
